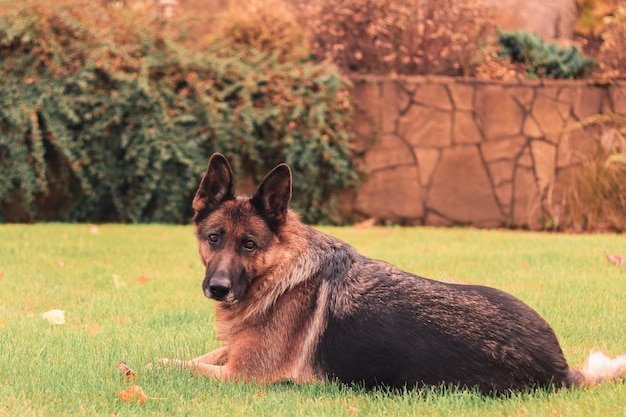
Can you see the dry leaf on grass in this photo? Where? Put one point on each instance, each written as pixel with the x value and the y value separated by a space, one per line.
pixel 133 394
pixel 129 373
pixel 352 410
pixel 365 224
pixel 117 281
pixel 141 279
pixel 615 259
pixel 54 316
pixel 94 329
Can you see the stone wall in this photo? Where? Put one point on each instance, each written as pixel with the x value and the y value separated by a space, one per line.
pixel 446 151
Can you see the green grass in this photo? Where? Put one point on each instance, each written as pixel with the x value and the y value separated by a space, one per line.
pixel 111 316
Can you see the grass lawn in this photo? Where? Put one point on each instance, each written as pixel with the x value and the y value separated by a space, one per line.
pixel 132 293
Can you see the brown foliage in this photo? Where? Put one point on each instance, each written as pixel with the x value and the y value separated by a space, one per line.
pixel 489 66
pixel 397 36
pixel 596 198
pixel 264 25
pixel 612 56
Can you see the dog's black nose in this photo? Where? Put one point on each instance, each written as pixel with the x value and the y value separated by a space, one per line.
pixel 219 288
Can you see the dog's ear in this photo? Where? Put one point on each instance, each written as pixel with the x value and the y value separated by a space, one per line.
pixel 272 196
pixel 217 186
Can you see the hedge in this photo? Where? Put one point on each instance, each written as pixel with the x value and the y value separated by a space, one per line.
pixel 105 117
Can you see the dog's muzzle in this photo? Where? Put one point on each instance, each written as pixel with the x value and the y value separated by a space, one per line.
pixel 218 288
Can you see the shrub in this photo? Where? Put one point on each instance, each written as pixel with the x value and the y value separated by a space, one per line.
pixel 612 54
pixel 265 111
pixel 596 199
pixel 264 25
pixel 397 36
pixel 107 118
pixel 541 60
pixel 592 15
pixel 491 65
pixel 95 113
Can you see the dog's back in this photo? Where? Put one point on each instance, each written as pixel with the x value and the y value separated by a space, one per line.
pixel 386 326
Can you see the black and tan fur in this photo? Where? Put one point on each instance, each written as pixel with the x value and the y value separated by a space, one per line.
pixel 295 304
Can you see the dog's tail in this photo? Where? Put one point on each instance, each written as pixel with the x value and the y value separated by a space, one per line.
pixel 598 368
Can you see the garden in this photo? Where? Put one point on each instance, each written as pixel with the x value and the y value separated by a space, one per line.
pixel 108 113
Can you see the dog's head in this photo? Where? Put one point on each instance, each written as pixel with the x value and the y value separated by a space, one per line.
pixel 235 233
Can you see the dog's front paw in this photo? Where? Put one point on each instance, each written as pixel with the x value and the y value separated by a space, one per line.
pixel 165 363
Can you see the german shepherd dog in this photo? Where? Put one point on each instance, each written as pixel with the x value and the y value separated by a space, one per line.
pixel 295 304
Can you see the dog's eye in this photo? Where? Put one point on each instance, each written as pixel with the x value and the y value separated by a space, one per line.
pixel 213 238
pixel 249 245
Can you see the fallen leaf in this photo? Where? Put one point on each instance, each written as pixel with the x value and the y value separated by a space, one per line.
pixel 94 330
pixel 54 316
pixel 365 224
pixel 141 278
pixel 352 410
pixel 129 373
pixel 133 394
pixel 259 394
pixel 615 259
pixel 117 281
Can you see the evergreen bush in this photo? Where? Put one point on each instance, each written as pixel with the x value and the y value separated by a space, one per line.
pixel 541 60
pixel 106 118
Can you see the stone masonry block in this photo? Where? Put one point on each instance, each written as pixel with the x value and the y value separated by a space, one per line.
pixel 497 113
pixel 504 193
pixel 367 95
pixel 388 151
pixel 392 194
pixel 425 126
pixel 395 101
pixel 460 189
pixel 501 171
pixel 618 98
pixel 525 159
pixel 504 149
pixel 588 101
pixel 526 207
pixel 546 113
pixel 427 159
pixel 462 96
pixel 544 158
pixel 531 127
pixel 433 95
pixel 523 94
pixel 465 129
